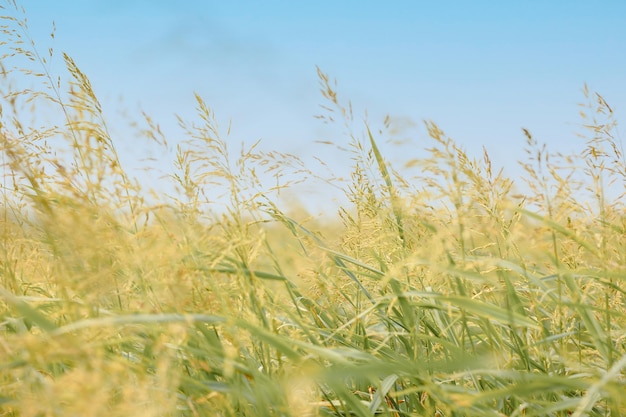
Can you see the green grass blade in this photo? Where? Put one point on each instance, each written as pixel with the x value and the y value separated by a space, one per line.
pixel 28 312
pixel 138 319
pixel 395 206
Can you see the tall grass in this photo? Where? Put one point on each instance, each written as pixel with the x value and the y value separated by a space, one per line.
pixel 454 292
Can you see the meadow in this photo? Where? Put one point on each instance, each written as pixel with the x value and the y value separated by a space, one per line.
pixel 454 291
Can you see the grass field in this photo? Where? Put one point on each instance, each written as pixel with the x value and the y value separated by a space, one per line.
pixel 453 292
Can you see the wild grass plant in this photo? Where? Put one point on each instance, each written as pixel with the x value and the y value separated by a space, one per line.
pixel 450 292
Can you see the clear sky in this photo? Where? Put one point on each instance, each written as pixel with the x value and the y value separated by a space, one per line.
pixel 481 70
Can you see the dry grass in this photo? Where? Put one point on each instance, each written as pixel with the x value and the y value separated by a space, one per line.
pixel 448 293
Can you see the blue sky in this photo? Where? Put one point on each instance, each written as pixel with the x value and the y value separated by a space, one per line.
pixel 481 70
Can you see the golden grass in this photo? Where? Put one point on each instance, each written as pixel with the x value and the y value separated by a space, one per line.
pixel 449 293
